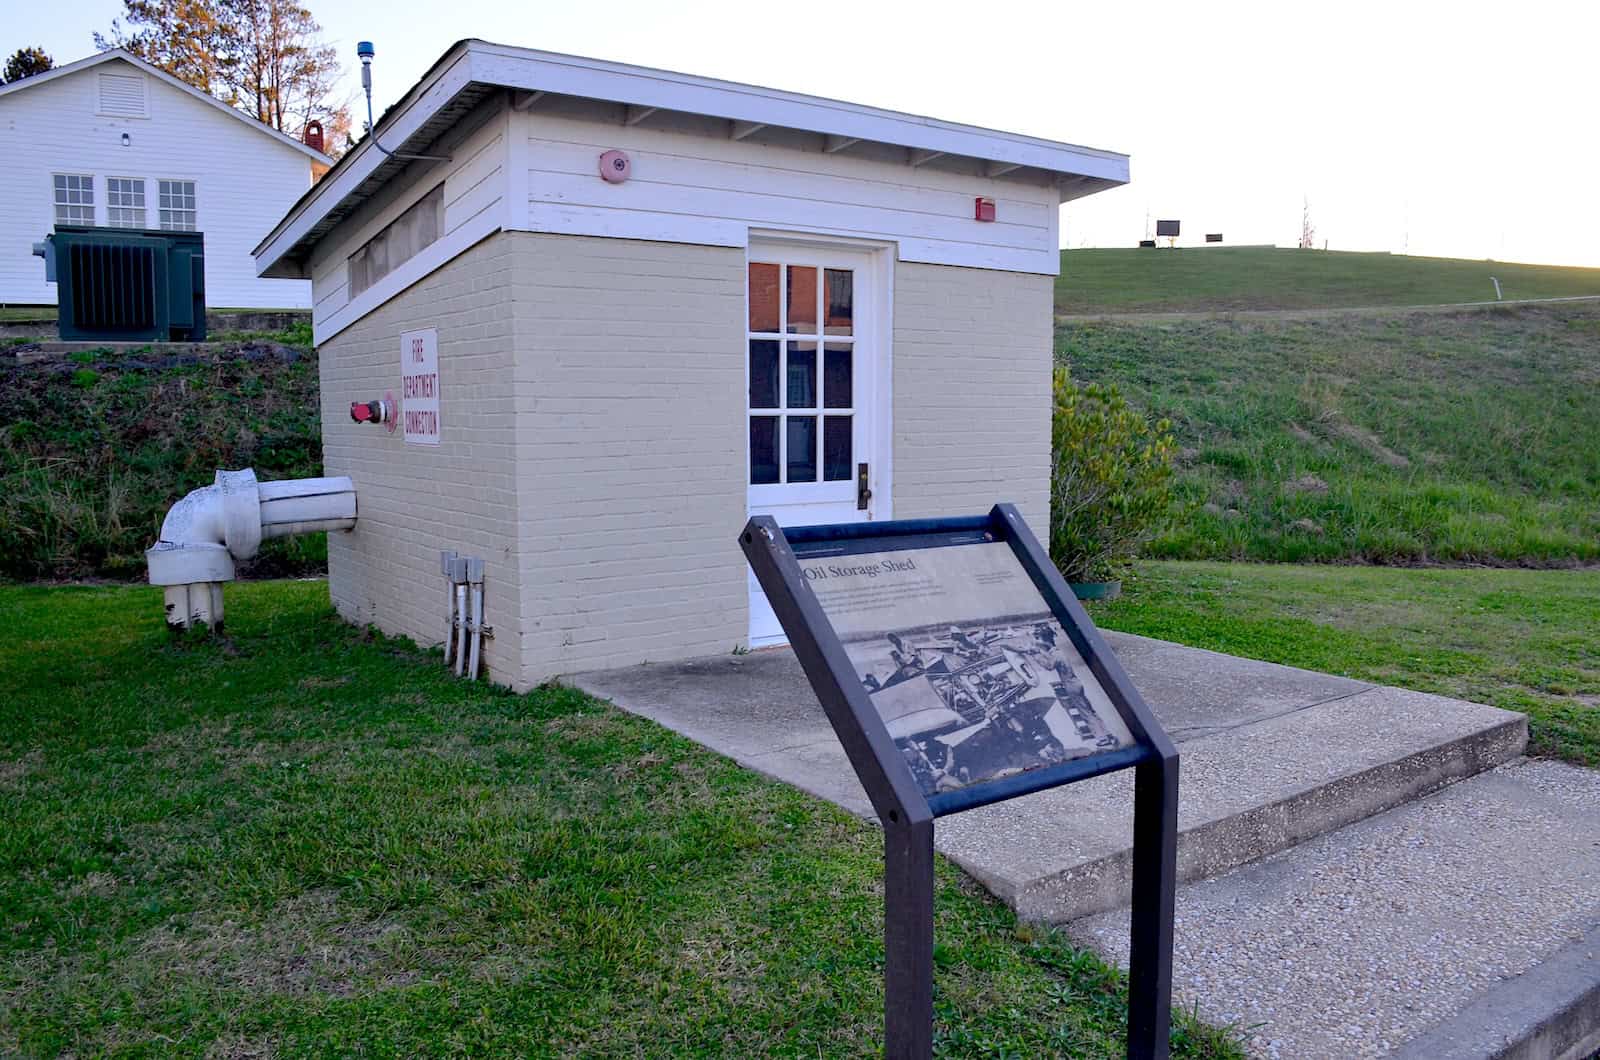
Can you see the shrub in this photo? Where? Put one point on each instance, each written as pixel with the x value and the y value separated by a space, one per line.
pixel 1110 480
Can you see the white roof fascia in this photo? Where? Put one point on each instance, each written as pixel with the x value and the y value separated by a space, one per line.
pixel 358 164
pixel 183 86
pixel 572 75
pixel 529 70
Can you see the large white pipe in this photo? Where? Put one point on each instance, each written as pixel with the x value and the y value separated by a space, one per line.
pixel 206 532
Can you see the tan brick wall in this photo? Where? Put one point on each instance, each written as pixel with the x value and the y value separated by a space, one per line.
pixel 972 355
pixel 592 396
pixel 414 500
pixel 632 477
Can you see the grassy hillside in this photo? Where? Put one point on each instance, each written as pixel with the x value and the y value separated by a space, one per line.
pixel 1223 278
pixel 1458 437
pixel 94 450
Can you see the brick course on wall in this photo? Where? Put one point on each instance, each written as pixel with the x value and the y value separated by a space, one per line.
pixel 632 473
pixel 972 357
pixel 413 500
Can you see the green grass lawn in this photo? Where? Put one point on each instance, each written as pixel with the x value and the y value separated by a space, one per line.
pixel 1465 437
pixel 1519 639
pixel 299 839
pixel 1222 278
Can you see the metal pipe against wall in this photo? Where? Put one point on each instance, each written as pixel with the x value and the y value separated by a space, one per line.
pixel 475 620
pixel 458 575
pixel 447 561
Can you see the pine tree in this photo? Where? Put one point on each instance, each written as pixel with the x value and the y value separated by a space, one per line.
pixel 183 37
pixel 25 62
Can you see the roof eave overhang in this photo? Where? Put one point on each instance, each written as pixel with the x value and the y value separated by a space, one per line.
pixel 471 70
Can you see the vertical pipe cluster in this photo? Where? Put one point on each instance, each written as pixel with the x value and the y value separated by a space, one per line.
pixel 463 636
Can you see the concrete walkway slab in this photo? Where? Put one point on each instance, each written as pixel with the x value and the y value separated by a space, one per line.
pixel 1466 924
pixel 1272 755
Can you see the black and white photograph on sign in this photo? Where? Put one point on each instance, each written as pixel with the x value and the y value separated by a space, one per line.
pixel 971 673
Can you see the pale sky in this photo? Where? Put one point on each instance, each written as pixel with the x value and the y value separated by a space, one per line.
pixel 1453 129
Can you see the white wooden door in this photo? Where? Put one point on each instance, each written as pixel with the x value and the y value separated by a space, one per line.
pixel 817 368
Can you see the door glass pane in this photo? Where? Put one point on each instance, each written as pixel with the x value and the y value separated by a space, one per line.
pixel 802 375
pixel 840 308
pixel 763 297
pixel 836 458
pixel 802 299
pixel 763 374
pixel 763 450
pixel 802 448
pixel 837 374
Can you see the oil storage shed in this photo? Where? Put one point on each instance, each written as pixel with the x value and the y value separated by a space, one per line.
pixel 618 310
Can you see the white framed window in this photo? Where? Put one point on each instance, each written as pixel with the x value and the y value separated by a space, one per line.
pixel 802 402
pixel 125 202
pixel 74 198
pixel 400 241
pixel 176 205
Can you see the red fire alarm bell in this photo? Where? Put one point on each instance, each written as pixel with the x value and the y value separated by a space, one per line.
pixel 983 209
pixel 615 167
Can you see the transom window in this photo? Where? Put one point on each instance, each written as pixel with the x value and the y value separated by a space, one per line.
pixel 125 202
pixel 801 341
pixel 74 198
pixel 176 203
pixel 400 240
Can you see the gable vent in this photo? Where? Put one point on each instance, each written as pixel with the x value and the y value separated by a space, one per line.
pixel 123 95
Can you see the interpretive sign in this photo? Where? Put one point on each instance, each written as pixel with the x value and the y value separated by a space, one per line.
pixel 419 386
pixel 972 674
pixel 958 670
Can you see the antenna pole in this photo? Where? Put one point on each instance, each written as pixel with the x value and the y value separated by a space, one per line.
pixel 365 52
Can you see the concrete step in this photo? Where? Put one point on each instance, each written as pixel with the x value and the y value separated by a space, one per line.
pixel 1272 756
pixel 1466 924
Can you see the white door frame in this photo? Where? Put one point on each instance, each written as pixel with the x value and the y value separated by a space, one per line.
pixel 878 268
pixel 881 256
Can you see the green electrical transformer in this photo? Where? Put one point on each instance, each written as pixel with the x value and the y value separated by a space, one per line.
pixel 127 284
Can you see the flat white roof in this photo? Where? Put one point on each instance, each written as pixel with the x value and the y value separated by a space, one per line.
pixel 471 69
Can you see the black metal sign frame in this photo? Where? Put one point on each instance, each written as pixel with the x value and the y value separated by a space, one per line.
pixel 907 815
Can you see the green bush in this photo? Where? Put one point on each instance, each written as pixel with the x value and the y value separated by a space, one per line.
pixel 1110 480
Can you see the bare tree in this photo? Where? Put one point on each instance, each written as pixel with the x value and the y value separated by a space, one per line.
pixel 278 68
pixel 266 57
pixel 1308 231
pixel 182 37
pixel 25 62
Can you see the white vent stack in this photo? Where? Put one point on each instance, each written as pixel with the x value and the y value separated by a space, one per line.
pixel 213 527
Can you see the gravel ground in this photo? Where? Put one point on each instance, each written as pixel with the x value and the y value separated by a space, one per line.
pixel 1354 943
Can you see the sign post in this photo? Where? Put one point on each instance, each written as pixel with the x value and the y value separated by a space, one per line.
pixel 959 670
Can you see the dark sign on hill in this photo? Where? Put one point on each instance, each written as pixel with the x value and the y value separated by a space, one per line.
pixel 1167 228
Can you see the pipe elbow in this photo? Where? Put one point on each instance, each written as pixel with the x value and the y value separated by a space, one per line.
pixel 211 528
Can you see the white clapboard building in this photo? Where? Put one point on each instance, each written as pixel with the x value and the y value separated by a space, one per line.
pixel 622 309
pixel 111 140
